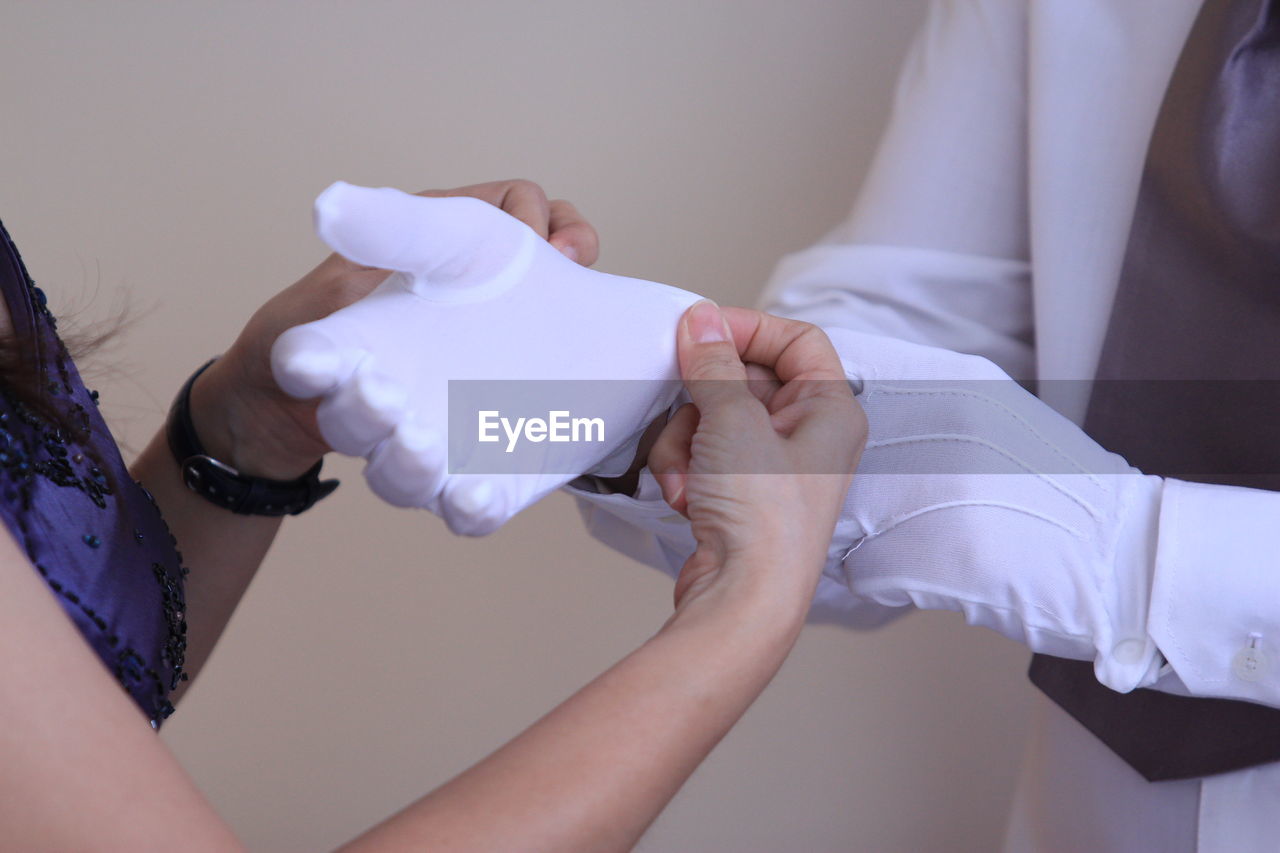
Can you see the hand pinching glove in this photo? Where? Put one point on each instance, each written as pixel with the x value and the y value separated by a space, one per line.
pixel 478 299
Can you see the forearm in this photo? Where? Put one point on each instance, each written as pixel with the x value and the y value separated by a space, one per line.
pixel 222 549
pixel 595 772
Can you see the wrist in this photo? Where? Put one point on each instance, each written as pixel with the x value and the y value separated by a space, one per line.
pixel 753 596
pixel 739 636
pixel 233 429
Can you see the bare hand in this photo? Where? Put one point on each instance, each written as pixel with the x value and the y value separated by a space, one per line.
pixel 759 468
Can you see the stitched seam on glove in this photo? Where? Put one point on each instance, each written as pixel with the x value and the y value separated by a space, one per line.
pixel 942 438
pixel 890 524
pixel 890 389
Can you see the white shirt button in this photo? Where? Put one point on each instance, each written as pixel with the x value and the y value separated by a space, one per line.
pixel 1250 664
pixel 1129 651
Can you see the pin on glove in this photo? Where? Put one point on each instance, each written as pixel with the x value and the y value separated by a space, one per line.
pixel 475 294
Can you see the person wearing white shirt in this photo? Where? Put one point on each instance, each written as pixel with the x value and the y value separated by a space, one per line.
pixel 995 223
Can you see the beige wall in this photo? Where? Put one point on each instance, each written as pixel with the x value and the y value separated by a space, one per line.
pixel 170 151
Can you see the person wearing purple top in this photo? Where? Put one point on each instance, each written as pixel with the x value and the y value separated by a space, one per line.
pixel 92 533
pixel 81 769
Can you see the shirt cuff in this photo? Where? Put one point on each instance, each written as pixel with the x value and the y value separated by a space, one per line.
pixel 643 526
pixel 1215 608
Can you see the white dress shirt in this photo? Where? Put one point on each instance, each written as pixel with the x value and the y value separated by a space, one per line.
pixel 994 221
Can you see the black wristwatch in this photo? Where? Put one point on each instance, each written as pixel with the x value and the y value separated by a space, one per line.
pixel 222 484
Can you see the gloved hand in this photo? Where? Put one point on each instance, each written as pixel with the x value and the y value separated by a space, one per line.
pixel 975 496
pixel 477 295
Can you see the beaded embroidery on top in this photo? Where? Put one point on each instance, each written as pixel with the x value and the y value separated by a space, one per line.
pixel 92 533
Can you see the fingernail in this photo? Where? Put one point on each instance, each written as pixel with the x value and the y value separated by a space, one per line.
pixel 705 323
pixel 672 482
pixel 569 252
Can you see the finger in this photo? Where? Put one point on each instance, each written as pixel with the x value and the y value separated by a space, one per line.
pixel 669 457
pixel 525 200
pixel 762 382
pixel 833 432
pixel 803 408
pixel 572 234
pixel 709 362
pixel 335 265
pixel 793 349
pixel 814 405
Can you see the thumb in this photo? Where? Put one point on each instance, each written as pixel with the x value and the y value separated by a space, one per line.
pixel 709 362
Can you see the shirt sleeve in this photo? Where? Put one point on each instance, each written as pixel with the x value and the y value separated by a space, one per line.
pixel 936 248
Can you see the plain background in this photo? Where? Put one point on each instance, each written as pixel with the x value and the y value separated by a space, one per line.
pixel 169 152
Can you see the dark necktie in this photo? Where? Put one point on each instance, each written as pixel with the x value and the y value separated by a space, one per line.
pixel 1187 381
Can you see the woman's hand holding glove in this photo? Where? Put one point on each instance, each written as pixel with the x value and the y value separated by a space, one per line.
pixel 242 416
pixel 758 466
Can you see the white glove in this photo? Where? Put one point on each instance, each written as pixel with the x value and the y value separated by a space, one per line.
pixel 477 295
pixel 973 495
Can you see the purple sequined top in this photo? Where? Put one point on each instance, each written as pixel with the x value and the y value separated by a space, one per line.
pixel 92 533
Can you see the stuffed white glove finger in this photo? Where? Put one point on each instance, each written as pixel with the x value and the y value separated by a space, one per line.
pixel 449 248
pixel 307 364
pixel 475 506
pixel 362 411
pixel 407 468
